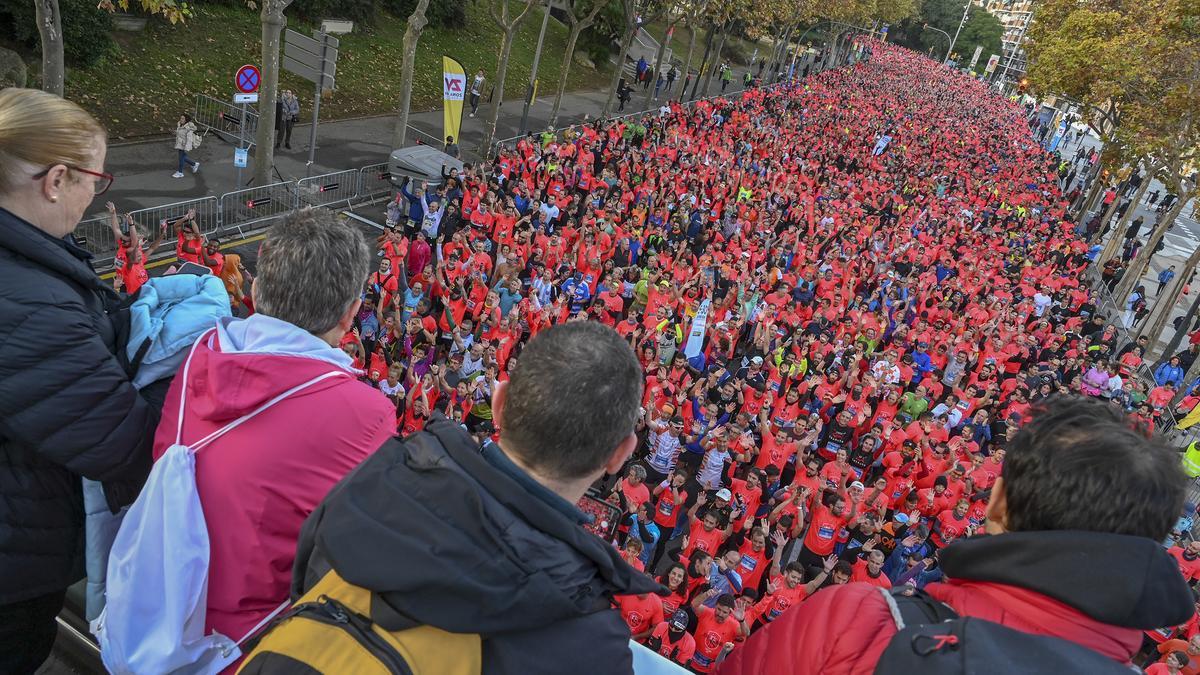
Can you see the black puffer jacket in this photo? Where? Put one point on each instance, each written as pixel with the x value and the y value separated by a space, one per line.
pixel 67 408
pixel 445 538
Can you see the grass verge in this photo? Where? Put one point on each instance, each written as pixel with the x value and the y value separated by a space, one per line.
pixel 155 75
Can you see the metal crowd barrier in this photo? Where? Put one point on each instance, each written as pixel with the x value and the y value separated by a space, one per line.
pixel 241 208
pixel 328 189
pixel 95 235
pixel 374 180
pixel 224 118
pixel 208 216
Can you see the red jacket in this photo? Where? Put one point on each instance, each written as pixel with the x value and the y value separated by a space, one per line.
pixel 260 481
pixel 845 629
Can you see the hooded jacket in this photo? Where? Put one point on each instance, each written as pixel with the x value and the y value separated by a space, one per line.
pixel 260 481
pixel 1094 589
pixel 67 409
pixel 445 537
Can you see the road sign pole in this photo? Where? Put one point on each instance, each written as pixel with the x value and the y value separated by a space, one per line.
pixel 241 143
pixel 312 133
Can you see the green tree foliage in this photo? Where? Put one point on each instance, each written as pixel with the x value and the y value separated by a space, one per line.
pixel 86 29
pixel 441 13
pixel 981 29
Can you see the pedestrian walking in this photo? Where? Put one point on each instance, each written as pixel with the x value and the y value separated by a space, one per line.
pixel 476 90
pixel 672 75
pixel 658 85
pixel 726 76
pixel 1165 277
pixel 624 93
pixel 287 111
pixel 186 140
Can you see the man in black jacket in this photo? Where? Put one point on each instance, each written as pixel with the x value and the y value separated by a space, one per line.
pixel 67 408
pixel 491 542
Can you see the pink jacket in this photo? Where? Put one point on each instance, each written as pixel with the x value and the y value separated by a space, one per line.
pixel 260 481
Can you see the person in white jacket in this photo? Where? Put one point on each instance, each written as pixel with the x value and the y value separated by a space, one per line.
pixel 186 140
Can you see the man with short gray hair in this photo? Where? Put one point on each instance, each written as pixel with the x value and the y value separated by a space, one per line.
pixel 306 419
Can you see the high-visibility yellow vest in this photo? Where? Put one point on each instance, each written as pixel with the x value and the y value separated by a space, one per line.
pixel 1191 460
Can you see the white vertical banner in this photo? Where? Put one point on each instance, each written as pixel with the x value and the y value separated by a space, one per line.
pixel 695 338
pixel 975 58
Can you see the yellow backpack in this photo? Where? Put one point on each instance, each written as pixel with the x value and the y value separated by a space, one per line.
pixel 328 631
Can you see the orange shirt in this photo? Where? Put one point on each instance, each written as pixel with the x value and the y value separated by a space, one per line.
pixel 640 613
pixel 680 651
pixel 775 604
pixel 1177 645
pixel 711 636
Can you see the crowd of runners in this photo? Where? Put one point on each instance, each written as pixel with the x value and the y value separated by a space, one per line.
pixel 846 293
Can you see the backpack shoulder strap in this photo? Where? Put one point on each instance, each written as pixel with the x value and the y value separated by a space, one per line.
pixel 244 418
pixel 916 607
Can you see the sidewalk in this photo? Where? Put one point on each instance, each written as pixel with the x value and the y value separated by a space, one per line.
pixel 144 169
pixel 1179 242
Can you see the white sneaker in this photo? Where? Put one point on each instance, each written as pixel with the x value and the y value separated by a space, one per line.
pixel 195 167
pixel 177 174
pixel 472 114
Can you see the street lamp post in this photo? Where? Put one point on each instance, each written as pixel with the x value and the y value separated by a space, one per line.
pixel 962 22
pixel 928 27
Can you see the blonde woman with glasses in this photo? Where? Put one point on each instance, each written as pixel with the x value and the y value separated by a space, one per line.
pixel 67 407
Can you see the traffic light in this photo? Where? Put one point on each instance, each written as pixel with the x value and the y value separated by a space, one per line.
pixel 1023 84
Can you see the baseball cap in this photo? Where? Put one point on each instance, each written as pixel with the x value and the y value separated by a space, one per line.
pixel 725 494
pixel 757 360
pixel 679 620
pixel 901 518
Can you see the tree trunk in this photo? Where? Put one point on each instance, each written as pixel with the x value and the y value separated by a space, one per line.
pixel 416 24
pixel 268 91
pixel 1133 274
pixel 658 59
pixel 1165 303
pixel 776 64
pixel 1096 186
pixel 572 38
pixel 687 64
pixel 631 30
pixel 489 131
pixel 1106 216
pixel 1177 339
pixel 1113 245
pixel 720 46
pixel 708 42
pixel 49 21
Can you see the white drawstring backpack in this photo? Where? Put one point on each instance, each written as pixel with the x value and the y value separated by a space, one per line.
pixel 153 622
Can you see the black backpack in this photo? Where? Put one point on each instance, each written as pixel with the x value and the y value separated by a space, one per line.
pixel 932 639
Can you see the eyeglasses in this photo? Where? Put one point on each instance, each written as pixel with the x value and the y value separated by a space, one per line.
pixel 101 186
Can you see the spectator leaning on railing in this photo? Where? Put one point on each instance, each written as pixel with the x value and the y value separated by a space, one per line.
pixel 67 408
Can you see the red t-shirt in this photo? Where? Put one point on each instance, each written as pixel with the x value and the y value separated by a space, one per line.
pixel 666 511
pixel 775 604
pixel 753 564
pixel 681 651
pixel 635 495
pixel 823 530
pixel 640 613
pixel 860 573
pixel 711 637
pixel 1190 569
pixel 704 540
